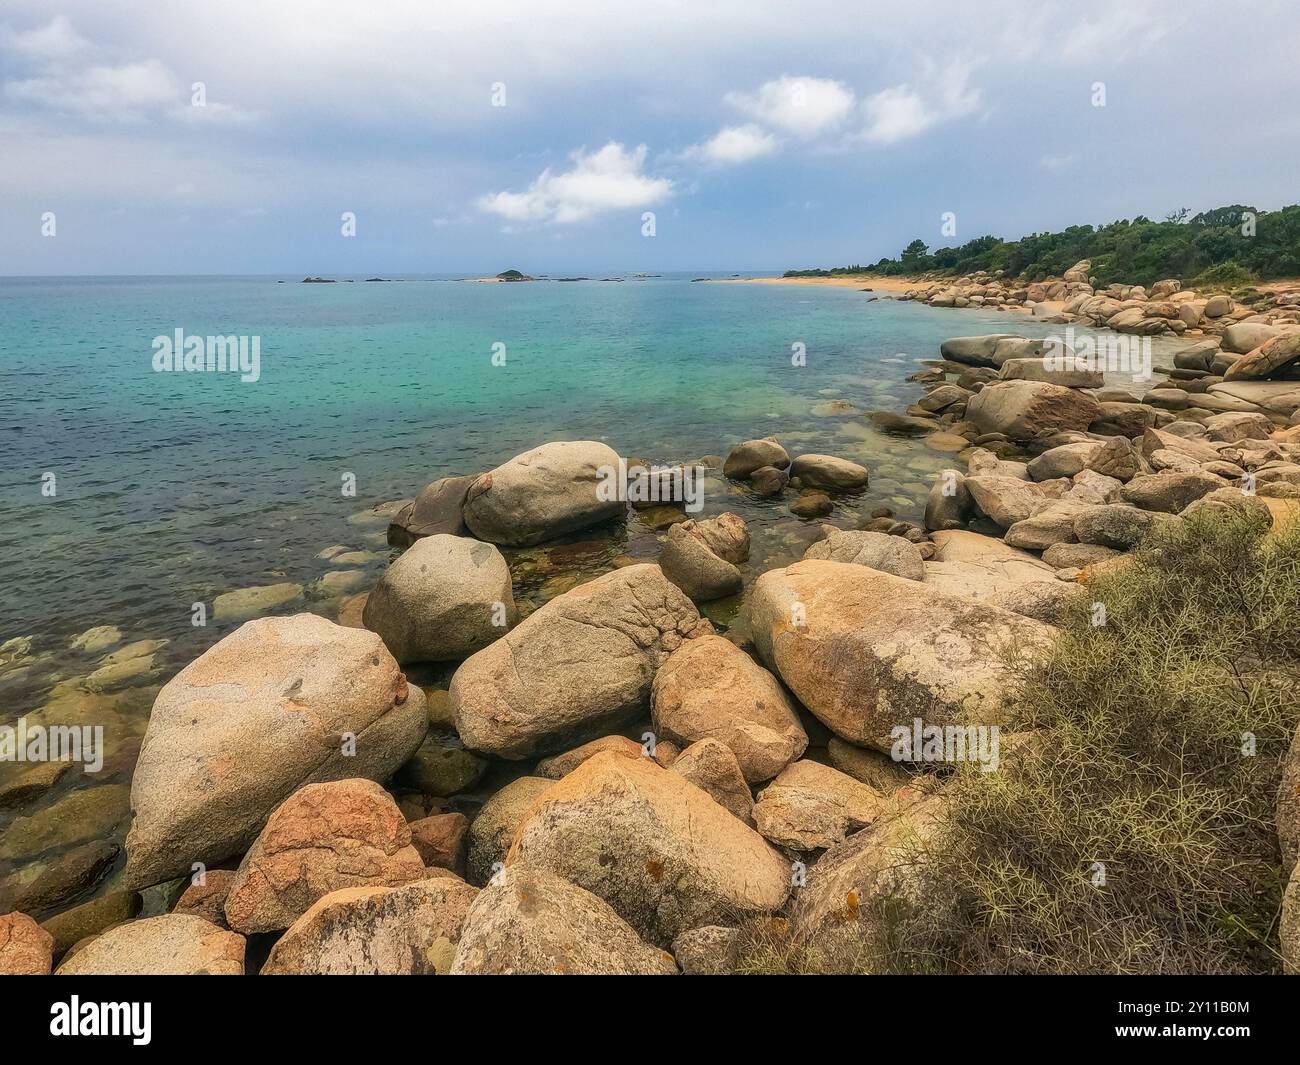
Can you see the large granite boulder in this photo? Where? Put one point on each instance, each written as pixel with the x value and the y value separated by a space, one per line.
pixel 1021 410
pixel 1270 359
pixel 655 847
pixel 811 806
pixel 866 651
pixel 279 703
pixel 574 669
pixel 535 923
pixel 829 472
pixel 710 689
pixel 344 834
pixel 753 455
pixel 689 563
pixel 544 493
pixel 376 931
pixel 443 599
pixel 974 351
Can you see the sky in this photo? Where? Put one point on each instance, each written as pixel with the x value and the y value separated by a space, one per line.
pixel 158 137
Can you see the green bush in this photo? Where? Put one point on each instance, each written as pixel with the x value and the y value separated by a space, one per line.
pixel 1139 766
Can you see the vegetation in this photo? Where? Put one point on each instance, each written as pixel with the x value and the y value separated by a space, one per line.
pixel 1139 835
pixel 1216 248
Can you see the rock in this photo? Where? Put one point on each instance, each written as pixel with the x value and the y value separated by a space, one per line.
pixel 949 504
pixel 443 599
pixel 1078 556
pixel 1288 804
pixel 207 899
pixel 1063 461
pixel 1115 458
pixel 1217 306
pixel 1244 337
pixel 1054 524
pixel 876 770
pixel 829 473
pixel 435 511
pixel 170 945
pixel 97 639
pixel 1114 525
pixel 1230 428
pixel 536 923
pixel 974 351
pixel 1169 491
pixel 768 481
pixel 1024 409
pixel 561 765
pixel 709 951
pixel 347 833
pixel 246 603
pixel 410 930
pixel 659 850
pixel 30 784
pixel 261 713
pixel 890 554
pixel 1048 601
pixel 1069 374
pixel 60 878
pixel 495 825
pixel 1005 500
pixel 441 768
pixel 1288 931
pixel 941 397
pixel 697 571
pixel 1158 440
pixel 26 949
pixel 726 536
pixel 754 455
pixel 440 841
pixel 544 493
pixel 889 422
pixel 1166 398
pixel 91 918
pixel 86 814
pixel 1127 419
pixel 711 689
pixel 1267 360
pixel 810 806
pixel 576 668
pixel 812 505
pixel 866 651
pixel 711 767
pixel 1197 356
pixel 842 914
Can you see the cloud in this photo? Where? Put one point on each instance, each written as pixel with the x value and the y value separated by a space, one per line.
pixel 803 107
pixel 105 91
pixel 610 179
pixel 900 112
pixel 57 40
pixel 735 144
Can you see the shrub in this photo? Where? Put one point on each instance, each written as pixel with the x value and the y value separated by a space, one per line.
pixel 1141 768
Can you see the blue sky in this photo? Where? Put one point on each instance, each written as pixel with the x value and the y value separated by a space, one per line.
pixel 762 135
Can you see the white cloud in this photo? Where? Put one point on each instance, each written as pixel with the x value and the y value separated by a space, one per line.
pixel 121 92
pixel 1057 162
pixel 610 179
pixel 900 112
pixel 735 144
pixel 804 107
pixel 57 40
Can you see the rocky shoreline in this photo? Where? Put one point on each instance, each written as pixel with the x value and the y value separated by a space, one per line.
pixel 650 789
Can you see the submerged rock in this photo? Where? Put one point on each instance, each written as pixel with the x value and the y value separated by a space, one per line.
pixel 435 511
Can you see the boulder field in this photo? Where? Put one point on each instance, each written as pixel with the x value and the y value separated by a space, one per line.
pixel 614 784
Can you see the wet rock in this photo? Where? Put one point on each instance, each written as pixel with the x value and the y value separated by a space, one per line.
pixel 246 603
pixel 754 455
pixel 87 814
pixel 435 511
pixel 829 473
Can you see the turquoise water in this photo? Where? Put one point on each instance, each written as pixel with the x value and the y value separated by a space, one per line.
pixel 172 488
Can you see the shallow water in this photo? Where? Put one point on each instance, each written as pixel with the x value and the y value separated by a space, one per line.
pixel 172 488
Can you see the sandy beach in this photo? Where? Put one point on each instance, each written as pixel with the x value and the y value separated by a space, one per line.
pixel 860 281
